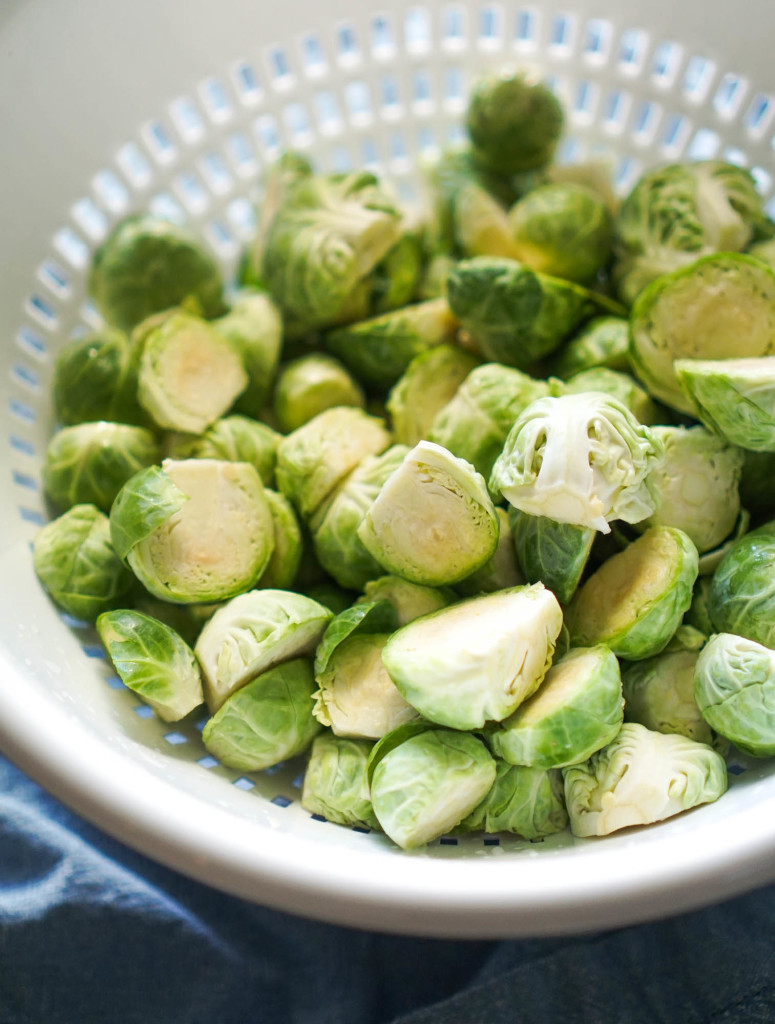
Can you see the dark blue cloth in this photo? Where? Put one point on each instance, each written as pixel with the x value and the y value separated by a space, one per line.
pixel 92 932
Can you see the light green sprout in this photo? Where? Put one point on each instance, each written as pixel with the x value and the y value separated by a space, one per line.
pixel 309 385
pixel 254 327
pixel 549 552
pixel 610 382
pixel 501 572
pixel 602 342
pixel 283 566
pixel 95 378
pixel 734 398
pixel 528 801
pixel 234 439
pixel 410 600
pixel 335 784
pixel 741 599
pixel 429 383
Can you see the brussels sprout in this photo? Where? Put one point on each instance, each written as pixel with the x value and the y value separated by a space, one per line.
pixel 95 378
pixel 433 521
pixel 335 784
pixel 251 633
pixel 147 264
pixel 89 463
pixel 423 787
pixel 194 531
pixel 610 382
pixel 764 251
pixel 477 660
pixel 154 661
pixel 711 560
pixel 501 572
pixel 410 600
pixel 741 599
pixel 283 566
pixel 696 485
pixel 659 693
pixel 719 307
pixel 481 224
pixel 77 564
pixel 580 459
pixel 255 329
pixel 308 386
pixel 734 685
pixel 474 425
pixel 314 459
pixel 675 214
pixel 338 547
pixel 639 778
pixel 734 398
pixel 514 122
pixel 289 169
pixel 379 350
pixel 363 617
pixel 322 245
pixel 549 552
pixel 528 801
pixel 396 276
pixel 576 710
pixel 189 374
pixel 269 720
pixel 602 342
pixel 233 439
pixel 635 601
pixel 563 230
pixel 429 383
pixel 514 314
pixel 698 615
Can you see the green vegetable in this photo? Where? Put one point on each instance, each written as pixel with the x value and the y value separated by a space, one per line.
pixel 95 378
pixel 335 784
pixel 602 342
pixel 428 385
pixel 734 398
pixel 742 591
pixel 254 328
pixel 549 552
pixel 310 385
pixel 233 439
pixel 528 801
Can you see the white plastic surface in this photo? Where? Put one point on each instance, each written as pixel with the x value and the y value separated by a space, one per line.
pixel 179 106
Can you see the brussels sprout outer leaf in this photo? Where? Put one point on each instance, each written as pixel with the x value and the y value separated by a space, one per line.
pixel 335 784
pixel 369 617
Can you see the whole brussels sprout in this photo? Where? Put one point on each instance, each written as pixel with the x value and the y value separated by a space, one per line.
pixel 528 801
pixel 231 439
pixel 148 264
pixel 410 600
pixel 95 378
pixel 254 327
pixel 610 382
pixel 428 384
pixel 741 599
pixel 549 552
pixel 734 398
pixel 604 341
pixel 309 385
pixel 335 783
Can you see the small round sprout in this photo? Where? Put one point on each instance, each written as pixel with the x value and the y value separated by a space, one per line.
pixel 549 552
pixel 233 439
pixel 189 374
pixel 635 601
pixel 395 277
pixel 742 591
pixel 89 463
pixel 734 685
pixel 255 329
pixel 268 721
pixel 476 660
pixel 314 459
pixel 501 572
pixel 433 284
pixel 602 342
pixel 734 398
pixel 410 600
pixel 580 459
pixel 563 230
pixel 153 660
pixel 309 385
pixel 641 777
pixel 251 633
pixel 194 531
pixel 576 710
pixel 335 784
pixel 696 487
pixel 77 564
pixel 514 122
pixel 528 801
pixel 719 307
pixel 426 785
pixel 148 264
pixel 433 521
pixel 282 568
pixel 611 382
pixel 95 378
pixel 481 224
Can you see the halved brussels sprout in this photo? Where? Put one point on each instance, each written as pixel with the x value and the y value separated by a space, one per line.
pixel 148 264
pixel 602 342
pixel 194 531
pixel 95 378
pixel 735 398
pixel 741 599
pixel 474 425
pixel 481 224
pixel 501 572
pixel 423 787
pixel 255 329
pixel 309 385
pixel 635 601
pixel 189 374
pixel 267 721
pixel 377 351
pixel 283 566
pixel 575 711
pixel 528 801
pixel 89 463
pixel 315 458
pixel 696 486
pixel 580 459
pixel 335 784
pixel 639 778
pixel 410 600
pixel 363 617
pixel 429 383
pixel 477 660
pixel 562 229
pixel 514 121
pixel 734 685
pixel 234 439
pixel 153 660
pixel 251 633
pixel 433 521
pixel 719 307
pixel 610 382
pixel 75 561
pixel 549 552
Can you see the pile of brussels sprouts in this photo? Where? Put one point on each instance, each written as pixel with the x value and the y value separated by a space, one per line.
pixel 471 508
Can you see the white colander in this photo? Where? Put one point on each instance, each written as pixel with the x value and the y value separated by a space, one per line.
pixel 178 105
